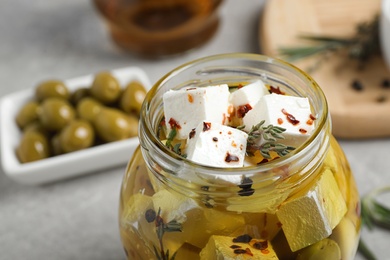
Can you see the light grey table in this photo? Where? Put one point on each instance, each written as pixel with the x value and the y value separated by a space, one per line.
pixel 77 218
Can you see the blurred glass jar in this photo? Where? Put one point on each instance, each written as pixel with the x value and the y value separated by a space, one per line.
pixel 158 28
pixel 303 206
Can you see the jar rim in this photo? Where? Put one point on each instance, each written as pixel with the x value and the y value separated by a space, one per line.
pixel 321 119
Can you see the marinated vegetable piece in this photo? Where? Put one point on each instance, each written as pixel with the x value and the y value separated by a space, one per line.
pixel 33 147
pixel 105 88
pixel 140 217
pixel 27 114
pixel 231 248
pixel 56 113
pixel 132 97
pixel 342 236
pixel 325 249
pixel 77 135
pixel 193 218
pixel 88 108
pixel 114 125
pixel 310 215
pixel 52 88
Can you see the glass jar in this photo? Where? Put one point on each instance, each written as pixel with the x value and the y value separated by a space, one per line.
pixel 304 205
pixel 157 28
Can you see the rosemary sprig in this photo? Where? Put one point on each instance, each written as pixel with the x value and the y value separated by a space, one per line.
pixel 170 138
pixel 373 213
pixel 264 139
pixel 360 47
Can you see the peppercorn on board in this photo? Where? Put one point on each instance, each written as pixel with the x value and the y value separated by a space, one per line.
pixel 359 99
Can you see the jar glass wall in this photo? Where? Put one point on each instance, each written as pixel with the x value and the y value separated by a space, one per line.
pixel 304 205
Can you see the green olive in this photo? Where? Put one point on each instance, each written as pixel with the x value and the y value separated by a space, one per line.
pixel 27 114
pixel 88 108
pixel 52 88
pixel 77 135
pixel 36 126
pixel 112 125
pixel 78 95
pixel 56 145
pixel 132 97
pixel 105 88
pixel 322 250
pixel 56 113
pixel 32 147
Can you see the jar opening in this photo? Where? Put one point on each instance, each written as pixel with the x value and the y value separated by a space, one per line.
pixel 232 69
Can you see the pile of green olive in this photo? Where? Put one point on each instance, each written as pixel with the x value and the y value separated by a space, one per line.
pixel 59 121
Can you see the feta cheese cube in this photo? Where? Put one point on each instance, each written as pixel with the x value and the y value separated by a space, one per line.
pixel 310 215
pixel 290 112
pixel 244 99
pixel 185 108
pixel 224 247
pixel 214 144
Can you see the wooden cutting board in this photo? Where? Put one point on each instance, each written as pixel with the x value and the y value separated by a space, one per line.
pixel 355 114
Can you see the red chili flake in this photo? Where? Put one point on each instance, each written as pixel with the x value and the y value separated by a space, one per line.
pixel 239 86
pixel 190 98
pixel 192 133
pixel 174 124
pixel 276 90
pixel 280 121
pixel 223 118
pixel 215 139
pixel 234 144
pixel 206 126
pixel 290 118
pixel 312 117
pixel 309 122
pixel 190 89
pixel 242 110
pixel 248 252
pixel 231 158
pixel 162 123
pixel 259 244
pixel 235 246
pixel 302 131
pixel 242 239
pixel 230 132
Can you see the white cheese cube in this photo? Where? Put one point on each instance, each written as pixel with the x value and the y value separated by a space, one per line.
pixel 244 99
pixel 289 112
pixel 223 247
pixel 185 108
pixel 217 145
pixel 310 215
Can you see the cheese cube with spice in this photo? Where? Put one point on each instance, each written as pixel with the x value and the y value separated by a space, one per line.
pixel 310 215
pixel 289 112
pixel 244 99
pixel 214 144
pixel 185 108
pixel 192 218
pixel 235 248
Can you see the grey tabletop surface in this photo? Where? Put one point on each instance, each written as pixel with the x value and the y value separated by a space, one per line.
pixel 77 218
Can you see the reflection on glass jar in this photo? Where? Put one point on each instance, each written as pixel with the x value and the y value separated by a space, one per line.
pixel 304 205
pixel 157 28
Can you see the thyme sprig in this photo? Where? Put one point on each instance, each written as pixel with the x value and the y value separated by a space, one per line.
pixel 161 228
pixel 360 47
pixel 264 139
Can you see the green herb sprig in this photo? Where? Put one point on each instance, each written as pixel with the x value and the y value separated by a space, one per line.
pixel 360 47
pixel 161 228
pixel 270 134
pixel 373 213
